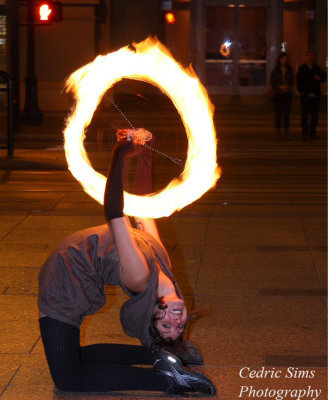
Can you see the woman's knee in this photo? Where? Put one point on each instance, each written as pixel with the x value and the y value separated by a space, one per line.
pixel 64 382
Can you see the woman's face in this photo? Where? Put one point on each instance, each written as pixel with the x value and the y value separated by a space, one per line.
pixel 172 319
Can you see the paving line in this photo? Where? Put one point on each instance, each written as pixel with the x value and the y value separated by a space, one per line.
pixel 9 383
pixel 315 265
pixel 35 344
pixel 15 226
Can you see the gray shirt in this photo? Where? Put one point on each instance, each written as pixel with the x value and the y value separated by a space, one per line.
pixel 71 282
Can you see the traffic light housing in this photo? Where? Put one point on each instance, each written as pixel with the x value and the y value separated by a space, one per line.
pixel 47 12
pixel 170 17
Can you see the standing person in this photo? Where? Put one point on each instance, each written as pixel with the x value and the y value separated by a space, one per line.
pixel 282 82
pixel 309 77
pixel 71 286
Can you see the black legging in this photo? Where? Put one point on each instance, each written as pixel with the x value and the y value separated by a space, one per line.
pixel 96 368
pixel 282 103
pixel 309 105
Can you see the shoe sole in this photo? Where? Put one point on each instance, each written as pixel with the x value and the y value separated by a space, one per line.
pixel 201 382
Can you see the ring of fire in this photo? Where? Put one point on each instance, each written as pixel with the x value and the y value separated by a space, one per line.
pixel 150 62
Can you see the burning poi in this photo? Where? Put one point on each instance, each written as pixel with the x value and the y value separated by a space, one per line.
pixel 151 62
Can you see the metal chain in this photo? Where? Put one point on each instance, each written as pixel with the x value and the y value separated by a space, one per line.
pixel 122 113
pixel 173 159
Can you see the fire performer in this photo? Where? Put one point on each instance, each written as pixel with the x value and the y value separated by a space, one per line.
pixel 71 286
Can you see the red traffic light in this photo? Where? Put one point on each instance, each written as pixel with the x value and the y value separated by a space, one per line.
pixel 170 18
pixel 48 11
pixel 45 12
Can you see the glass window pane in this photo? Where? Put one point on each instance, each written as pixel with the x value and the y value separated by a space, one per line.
pixel 236 35
pixel 220 28
pixel 251 74
pixel 219 74
pixel 219 32
pixel 252 33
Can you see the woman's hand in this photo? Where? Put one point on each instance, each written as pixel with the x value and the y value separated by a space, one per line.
pixel 138 136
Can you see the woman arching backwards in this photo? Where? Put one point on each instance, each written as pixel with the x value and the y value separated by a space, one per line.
pixel 71 286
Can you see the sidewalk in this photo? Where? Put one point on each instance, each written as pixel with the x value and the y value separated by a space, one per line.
pixel 250 257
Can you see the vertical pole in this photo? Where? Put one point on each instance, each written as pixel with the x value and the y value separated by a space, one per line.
pixel 277 32
pixel 236 52
pixel 10 130
pixel 197 38
pixel 312 16
pixel 10 117
pixel 31 114
pixel 12 22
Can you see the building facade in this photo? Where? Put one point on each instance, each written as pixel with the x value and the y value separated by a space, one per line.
pixel 232 44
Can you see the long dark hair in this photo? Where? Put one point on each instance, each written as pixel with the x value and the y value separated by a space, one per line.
pixel 281 55
pixel 158 340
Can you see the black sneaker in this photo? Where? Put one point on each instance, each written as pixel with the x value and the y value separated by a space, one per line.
pixel 181 379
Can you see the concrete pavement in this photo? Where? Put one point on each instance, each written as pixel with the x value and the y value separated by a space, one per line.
pixel 250 256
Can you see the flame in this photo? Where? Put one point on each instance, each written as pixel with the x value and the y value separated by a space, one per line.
pixel 150 62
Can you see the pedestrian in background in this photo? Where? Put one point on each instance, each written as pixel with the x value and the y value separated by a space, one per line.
pixel 309 78
pixel 282 82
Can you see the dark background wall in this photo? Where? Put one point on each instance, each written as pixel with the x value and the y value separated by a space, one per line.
pixel 133 21
pixel 95 27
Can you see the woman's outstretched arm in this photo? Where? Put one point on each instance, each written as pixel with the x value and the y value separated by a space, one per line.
pixel 134 270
